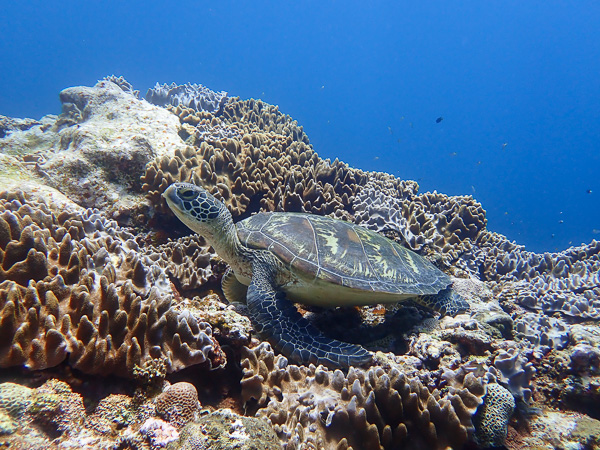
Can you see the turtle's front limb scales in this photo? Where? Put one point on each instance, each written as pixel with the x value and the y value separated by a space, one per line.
pixel 277 319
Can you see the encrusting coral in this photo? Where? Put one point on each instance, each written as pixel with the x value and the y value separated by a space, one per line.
pixel 52 406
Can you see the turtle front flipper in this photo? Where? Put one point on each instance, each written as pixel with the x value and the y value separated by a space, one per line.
pixel 277 319
pixel 446 302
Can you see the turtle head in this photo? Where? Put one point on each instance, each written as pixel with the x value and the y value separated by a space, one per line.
pixel 197 208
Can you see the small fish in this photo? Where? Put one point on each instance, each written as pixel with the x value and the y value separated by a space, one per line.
pixel 390 128
pixel 504 145
pixel 323 87
pixel 595 231
pixel 439 119
pixel 589 191
pixel 402 118
pixel 561 221
pixel 376 158
pixel 473 188
pixel 399 140
pixel 411 124
pixel 453 154
pixel 478 163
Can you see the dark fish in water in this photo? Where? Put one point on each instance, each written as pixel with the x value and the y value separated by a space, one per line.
pixel 439 119
pixel 589 191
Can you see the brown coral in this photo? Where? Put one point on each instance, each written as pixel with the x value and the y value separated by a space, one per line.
pixel 262 170
pixel 382 406
pixel 73 283
pixel 178 404
pixel 255 115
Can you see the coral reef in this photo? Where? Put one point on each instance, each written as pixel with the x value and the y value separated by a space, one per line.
pixel 194 96
pixel 224 430
pixel 383 407
pixel 97 277
pixel 75 283
pixel 178 404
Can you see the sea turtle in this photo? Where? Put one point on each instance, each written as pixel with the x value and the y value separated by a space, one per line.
pixel 296 257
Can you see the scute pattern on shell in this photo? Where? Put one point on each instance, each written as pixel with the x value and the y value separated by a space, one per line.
pixel 341 253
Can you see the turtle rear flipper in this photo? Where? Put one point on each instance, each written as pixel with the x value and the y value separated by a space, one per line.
pixel 446 302
pixel 234 291
pixel 277 319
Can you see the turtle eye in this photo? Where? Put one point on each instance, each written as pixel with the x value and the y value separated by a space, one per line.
pixel 187 194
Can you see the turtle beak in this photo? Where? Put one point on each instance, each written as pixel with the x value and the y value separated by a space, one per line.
pixel 171 197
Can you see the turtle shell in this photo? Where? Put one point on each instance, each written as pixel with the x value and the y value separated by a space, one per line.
pixel 335 252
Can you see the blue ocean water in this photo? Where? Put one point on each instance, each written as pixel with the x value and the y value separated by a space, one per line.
pixel 515 83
